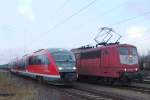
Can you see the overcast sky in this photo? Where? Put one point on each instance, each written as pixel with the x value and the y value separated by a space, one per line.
pixel 27 25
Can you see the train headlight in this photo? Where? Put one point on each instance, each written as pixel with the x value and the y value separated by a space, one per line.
pixel 136 69
pixel 125 69
pixel 60 68
pixel 74 68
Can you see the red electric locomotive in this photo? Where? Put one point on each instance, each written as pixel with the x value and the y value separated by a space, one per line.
pixel 109 62
pixel 54 65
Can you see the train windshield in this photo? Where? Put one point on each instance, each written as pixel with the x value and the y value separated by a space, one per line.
pixel 128 51
pixel 63 56
pixel 133 51
pixel 123 51
pixel 65 61
pixel 128 55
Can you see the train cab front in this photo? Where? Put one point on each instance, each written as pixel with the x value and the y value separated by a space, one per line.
pixel 65 61
pixel 67 72
pixel 131 74
pixel 129 64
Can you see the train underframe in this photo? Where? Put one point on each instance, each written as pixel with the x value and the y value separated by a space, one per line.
pixel 64 78
pixel 125 78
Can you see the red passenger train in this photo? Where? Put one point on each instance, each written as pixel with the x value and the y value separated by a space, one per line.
pixel 54 65
pixel 109 63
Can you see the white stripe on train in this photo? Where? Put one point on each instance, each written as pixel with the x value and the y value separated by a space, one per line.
pixel 36 74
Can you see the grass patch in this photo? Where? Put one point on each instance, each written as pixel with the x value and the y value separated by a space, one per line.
pixel 11 85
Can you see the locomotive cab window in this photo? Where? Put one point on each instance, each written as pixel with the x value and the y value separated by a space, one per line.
pixel 133 51
pixel 39 60
pixel 123 51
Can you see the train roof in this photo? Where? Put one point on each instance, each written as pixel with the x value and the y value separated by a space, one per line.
pixel 52 50
pixel 92 48
pixel 40 51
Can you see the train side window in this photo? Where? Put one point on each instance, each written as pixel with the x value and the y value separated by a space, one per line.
pixel 91 54
pixel 43 60
pixel 31 60
pixel 21 64
pixel 39 60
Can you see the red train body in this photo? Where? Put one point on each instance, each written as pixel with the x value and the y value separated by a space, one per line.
pixel 109 62
pixel 55 65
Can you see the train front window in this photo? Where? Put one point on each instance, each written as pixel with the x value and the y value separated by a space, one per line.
pixel 63 56
pixel 64 60
pixel 123 51
pixel 128 55
pixel 133 51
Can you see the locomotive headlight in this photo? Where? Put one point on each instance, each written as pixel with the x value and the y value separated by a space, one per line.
pixel 74 68
pixel 60 68
pixel 125 69
pixel 136 69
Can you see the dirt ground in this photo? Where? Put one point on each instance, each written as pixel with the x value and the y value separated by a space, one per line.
pixel 10 89
pixel 18 88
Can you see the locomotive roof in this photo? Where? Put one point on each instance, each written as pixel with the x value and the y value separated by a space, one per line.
pixel 126 45
pixel 76 50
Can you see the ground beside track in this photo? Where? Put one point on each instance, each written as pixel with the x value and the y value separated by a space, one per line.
pixel 18 88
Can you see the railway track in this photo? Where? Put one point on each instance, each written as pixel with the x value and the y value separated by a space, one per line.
pixel 88 93
pixel 85 94
pixel 138 88
pixel 91 94
pixel 102 95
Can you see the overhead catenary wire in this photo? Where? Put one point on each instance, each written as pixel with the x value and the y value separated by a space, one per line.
pixel 80 10
pixel 85 7
pixel 67 19
pixel 71 16
pixel 113 8
pixel 63 5
pixel 131 18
